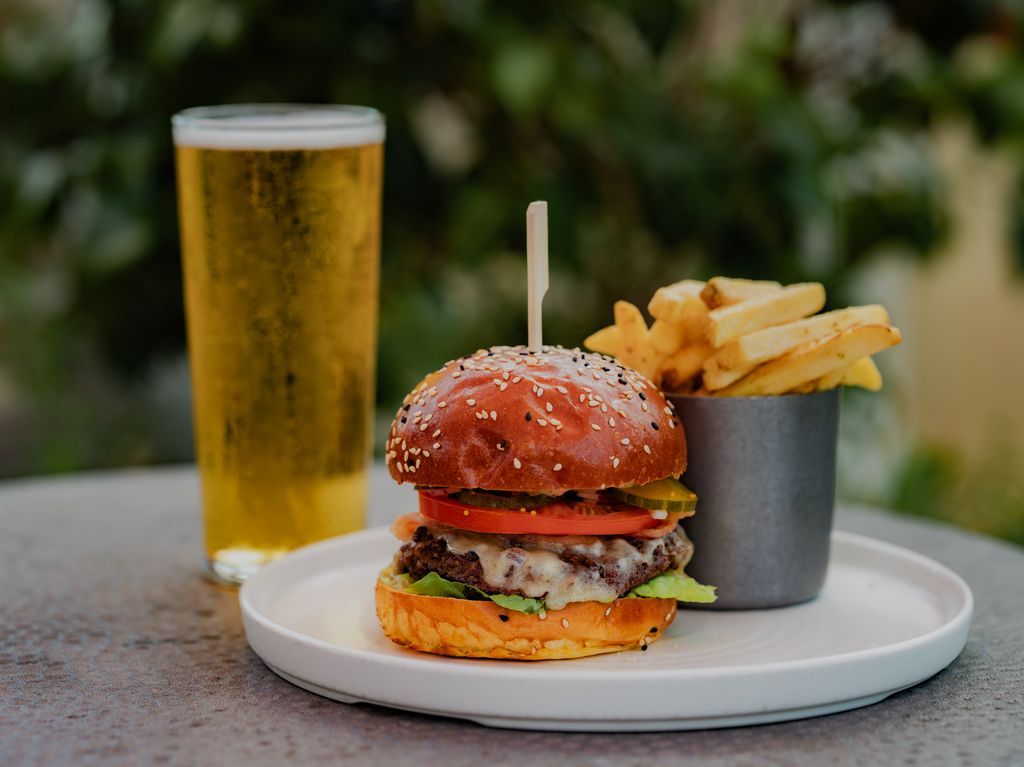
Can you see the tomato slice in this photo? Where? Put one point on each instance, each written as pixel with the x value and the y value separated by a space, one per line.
pixel 582 518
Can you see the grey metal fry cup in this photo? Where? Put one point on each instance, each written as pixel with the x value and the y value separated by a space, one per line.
pixel 764 471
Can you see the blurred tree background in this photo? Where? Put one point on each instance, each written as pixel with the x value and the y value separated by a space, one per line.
pixel 672 138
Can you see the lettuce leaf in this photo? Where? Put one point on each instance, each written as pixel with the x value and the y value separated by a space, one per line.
pixel 671 585
pixel 675 585
pixel 433 585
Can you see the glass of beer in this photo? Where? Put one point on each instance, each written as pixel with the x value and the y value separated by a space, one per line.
pixel 279 208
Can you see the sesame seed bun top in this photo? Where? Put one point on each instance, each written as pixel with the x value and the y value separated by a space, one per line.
pixel 538 422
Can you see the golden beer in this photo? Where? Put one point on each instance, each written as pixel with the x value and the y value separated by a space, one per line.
pixel 280 220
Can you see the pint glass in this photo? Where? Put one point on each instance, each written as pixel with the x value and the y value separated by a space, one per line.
pixel 279 209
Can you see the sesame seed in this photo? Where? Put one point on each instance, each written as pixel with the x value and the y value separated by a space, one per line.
pixel 437 433
pixel 562 390
pixel 604 408
pixel 517 379
pixel 548 407
pixel 533 512
pixel 503 386
pixel 607 612
pixel 505 375
pixel 668 615
pixel 565 623
pixel 593 403
pixel 672 424
pixel 471 402
pixel 480 415
pixel 426 454
pixel 595 427
pixel 643 406
pixel 417 463
pixel 624 441
pixel 494 416
pixel 427 417
pixel 647 449
pixel 401 468
pixel 465 512
pixel 615 463
pixel 417 419
pixel 542 616
pixel 583 397
pixel 668 410
pixel 456 374
pixel 442 404
pixel 423 426
pixel 558 467
pixel 517 463
pixel 540 391
pixel 554 422
pixel 437 446
pixel 541 422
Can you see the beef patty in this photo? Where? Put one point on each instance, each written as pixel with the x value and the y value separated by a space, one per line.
pixel 618 561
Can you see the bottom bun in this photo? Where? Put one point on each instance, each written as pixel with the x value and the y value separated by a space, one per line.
pixel 481 629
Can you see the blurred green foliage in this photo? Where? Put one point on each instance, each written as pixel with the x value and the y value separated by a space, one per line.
pixel 671 138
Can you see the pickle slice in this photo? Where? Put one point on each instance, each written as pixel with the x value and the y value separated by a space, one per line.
pixel 503 501
pixel 668 494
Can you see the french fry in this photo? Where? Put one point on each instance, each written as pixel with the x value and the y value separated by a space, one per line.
pixel 790 303
pixel 673 302
pixel 679 370
pixel 724 291
pixel 863 373
pixel 605 341
pixel 666 337
pixel 814 360
pixel 716 376
pixel 636 349
pixel 744 353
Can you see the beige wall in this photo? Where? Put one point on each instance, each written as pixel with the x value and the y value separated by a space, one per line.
pixel 962 376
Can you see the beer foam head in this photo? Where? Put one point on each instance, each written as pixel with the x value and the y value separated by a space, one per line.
pixel 277 126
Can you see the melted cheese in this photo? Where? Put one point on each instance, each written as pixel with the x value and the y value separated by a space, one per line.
pixel 531 565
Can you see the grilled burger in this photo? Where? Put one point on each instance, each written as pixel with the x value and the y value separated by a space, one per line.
pixel 548 509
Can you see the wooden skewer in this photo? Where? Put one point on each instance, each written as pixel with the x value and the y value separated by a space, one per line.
pixel 536 269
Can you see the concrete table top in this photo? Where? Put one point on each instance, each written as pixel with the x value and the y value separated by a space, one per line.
pixel 114 650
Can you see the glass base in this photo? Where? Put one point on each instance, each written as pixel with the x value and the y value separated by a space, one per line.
pixel 233 567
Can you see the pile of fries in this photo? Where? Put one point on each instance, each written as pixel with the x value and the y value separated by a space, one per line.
pixel 742 338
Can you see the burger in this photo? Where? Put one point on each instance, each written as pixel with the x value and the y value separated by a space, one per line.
pixel 548 509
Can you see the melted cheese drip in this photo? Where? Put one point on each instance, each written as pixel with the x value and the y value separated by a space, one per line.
pixel 534 568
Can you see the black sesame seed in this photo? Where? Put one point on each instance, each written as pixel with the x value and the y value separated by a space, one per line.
pixel 404 419
pixel 622 381
pixel 654 426
pixel 606 370
pixel 643 648
pixel 502 445
pixel 504 618
pixel 406 408
pixel 654 629
pixel 409 462
pixel 642 396
pixel 529 417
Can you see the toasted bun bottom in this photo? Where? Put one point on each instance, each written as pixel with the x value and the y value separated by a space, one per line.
pixel 481 629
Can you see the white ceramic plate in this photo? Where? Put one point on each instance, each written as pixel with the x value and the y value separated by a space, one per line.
pixel 887 619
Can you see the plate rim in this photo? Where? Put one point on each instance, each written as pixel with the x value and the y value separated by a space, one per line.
pixel 499 671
